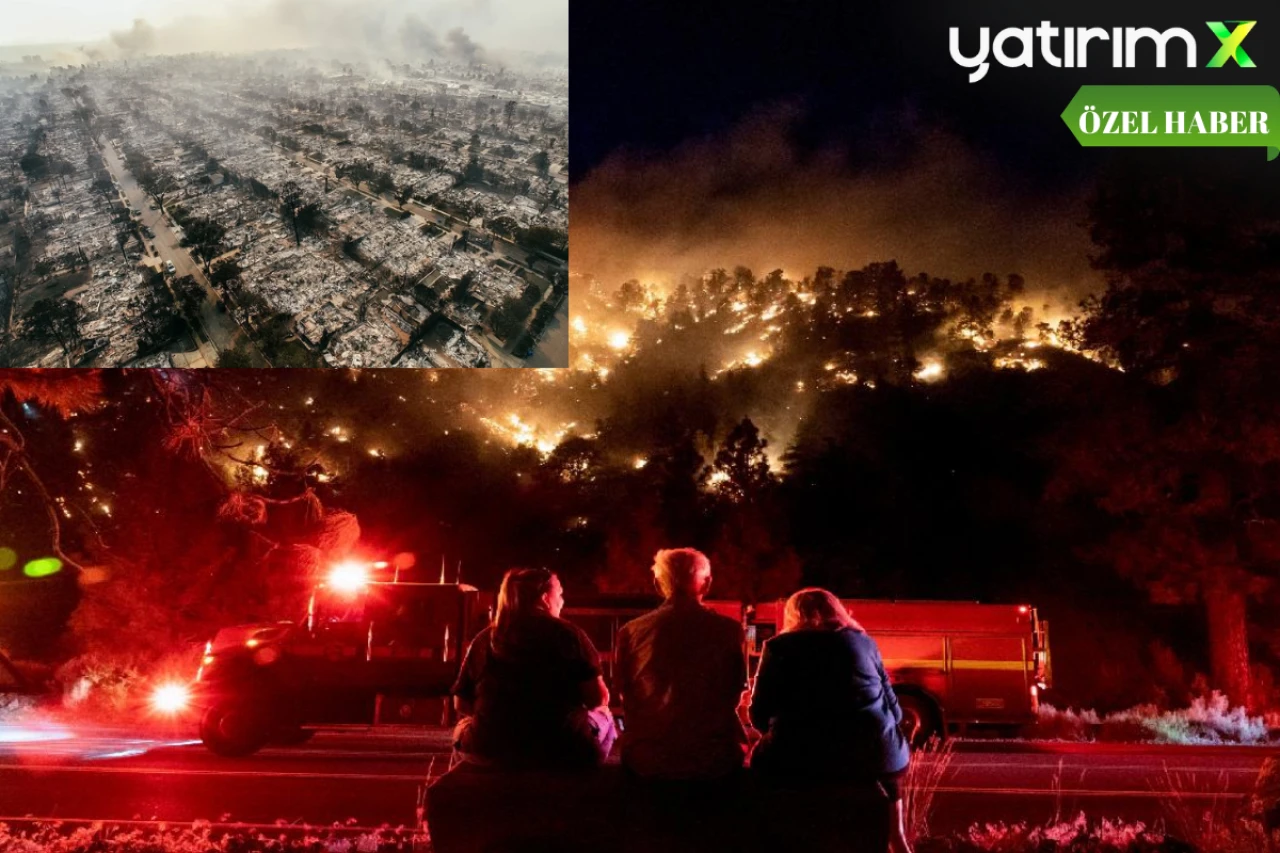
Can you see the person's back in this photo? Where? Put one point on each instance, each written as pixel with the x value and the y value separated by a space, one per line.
pixel 681 672
pixel 821 697
pixel 526 691
pixel 826 708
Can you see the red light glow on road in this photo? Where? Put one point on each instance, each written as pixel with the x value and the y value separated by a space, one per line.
pixel 32 734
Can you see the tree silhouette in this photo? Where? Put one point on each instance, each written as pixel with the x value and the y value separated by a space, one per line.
pixel 204 238
pixel 238 356
pixel 191 298
pixel 291 203
pixel 1193 294
pixel 742 465
pixel 754 561
pixel 159 321
pixel 509 318
pixel 65 392
pixel 224 272
pixel 55 321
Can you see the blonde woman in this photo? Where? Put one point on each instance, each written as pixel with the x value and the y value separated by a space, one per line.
pixel 825 706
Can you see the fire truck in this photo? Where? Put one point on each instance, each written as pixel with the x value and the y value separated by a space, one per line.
pixel 954 665
pixel 368 652
pixel 375 651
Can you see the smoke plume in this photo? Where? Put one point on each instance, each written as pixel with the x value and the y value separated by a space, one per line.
pixel 141 38
pixel 753 198
pixel 462 47
pixel 468 31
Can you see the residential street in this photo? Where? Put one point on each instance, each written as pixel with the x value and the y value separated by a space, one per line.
pixel 217 328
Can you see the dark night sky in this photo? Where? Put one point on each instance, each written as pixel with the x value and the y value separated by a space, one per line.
pixel 650 74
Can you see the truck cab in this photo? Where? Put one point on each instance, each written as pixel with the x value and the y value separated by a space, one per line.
pixel 369 653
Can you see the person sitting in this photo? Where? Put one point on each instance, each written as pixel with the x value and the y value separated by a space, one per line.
pixel 530 689
pixel 826 707
pixel 681 671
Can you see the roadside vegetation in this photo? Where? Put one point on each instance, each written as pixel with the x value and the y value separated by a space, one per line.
pixel 1207 720
pixel 201 837
pixel 1198 815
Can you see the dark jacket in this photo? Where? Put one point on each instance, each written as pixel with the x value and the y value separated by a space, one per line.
pixel 680 671
pixel 524 696
pixel 826 705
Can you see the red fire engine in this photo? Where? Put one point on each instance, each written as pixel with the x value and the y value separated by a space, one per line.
pixel 953 664
pixel 387 651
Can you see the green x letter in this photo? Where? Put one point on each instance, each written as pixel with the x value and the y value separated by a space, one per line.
pixel 1231 39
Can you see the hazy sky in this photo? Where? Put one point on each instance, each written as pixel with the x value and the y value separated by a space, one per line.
pixel 61 21
pixel 538 25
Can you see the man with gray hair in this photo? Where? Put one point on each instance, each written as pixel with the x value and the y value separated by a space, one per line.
pixel 680 671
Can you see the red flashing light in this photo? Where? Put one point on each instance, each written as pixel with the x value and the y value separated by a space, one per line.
pixel 349 577
pixel 170 698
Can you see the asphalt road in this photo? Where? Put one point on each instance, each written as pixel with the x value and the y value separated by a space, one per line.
pixel 553 349
pixel 371 778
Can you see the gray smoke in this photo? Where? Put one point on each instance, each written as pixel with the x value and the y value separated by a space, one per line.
pixel 419 39
pixel 500 32
pixel 141 38
pixel 751 197
pixel 421 42
pixel 463 47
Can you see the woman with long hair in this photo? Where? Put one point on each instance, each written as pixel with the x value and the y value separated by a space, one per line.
pixel 825 706
pixel 530 690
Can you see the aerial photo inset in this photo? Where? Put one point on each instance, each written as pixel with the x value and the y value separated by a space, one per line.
pixel 279 184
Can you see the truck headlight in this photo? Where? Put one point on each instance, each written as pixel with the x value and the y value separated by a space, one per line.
pixel 170 698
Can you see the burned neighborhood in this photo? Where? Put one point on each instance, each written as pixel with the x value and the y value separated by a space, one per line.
pixel 283 210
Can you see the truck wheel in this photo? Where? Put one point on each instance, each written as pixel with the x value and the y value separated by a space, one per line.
pixel 233 728
pixel 921 719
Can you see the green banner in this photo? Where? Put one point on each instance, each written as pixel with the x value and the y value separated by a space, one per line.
pixel 1199 116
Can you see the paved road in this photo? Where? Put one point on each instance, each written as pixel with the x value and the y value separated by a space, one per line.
pixel 372 778
pixel 553 349
pixel 218 328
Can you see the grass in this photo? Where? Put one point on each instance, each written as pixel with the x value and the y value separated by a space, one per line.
pixel 1076 836
pixel 1208 720
pixel 1194 823
pixel 201 837
pixel 1200 815
pixel 929 765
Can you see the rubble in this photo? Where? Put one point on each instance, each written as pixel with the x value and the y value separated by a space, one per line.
pixel 357 209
